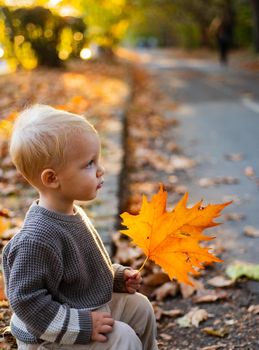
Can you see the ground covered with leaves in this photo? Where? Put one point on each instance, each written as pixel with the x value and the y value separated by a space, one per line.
pixel 217 312
pixel 97 90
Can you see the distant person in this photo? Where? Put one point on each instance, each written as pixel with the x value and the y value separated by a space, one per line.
pixel 223 28
pixel 62 287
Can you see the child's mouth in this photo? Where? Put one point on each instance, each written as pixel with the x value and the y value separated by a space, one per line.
pixel 100 185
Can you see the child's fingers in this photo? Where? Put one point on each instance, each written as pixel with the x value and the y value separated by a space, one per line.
pixel 133 275
pixel 100 338
pixel 105 315
pixel 131 290
pixel 108 321
pixel 105 329
pixel 134 281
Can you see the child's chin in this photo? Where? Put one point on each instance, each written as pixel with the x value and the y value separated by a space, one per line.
pixel 91 197
pixel 87 198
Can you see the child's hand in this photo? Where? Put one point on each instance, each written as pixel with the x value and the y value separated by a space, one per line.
pixel 133 280
pixel 102 324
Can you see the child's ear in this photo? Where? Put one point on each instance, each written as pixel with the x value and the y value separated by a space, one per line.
pixel 49 178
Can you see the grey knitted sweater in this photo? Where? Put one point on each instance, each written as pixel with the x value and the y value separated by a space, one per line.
pixel 56 271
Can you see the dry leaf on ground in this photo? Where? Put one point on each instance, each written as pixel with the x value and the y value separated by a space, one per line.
pixel 173 313
pixel 254 309
pixel 249 171
pixel 234 216
pixel 234 157
pixel 167 289
pixel 182 163
pixel 225 180
pixel 217 332
pixel 187 290
pixel 156 279
pixel 220 281
pixel 193 318
pixel 2 288
pixel 209 295
pixel 214 347
pixel 159 312
pixel 242 268
pixel 165 336
pixel 251 231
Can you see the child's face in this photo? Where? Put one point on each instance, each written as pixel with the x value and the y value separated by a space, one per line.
pixel 82 175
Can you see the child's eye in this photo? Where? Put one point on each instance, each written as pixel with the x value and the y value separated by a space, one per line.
pixel 90 164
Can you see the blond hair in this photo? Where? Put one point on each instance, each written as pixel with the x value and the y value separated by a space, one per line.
pixel 41 136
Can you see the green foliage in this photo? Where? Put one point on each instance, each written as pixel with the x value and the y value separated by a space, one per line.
pixel 188 23
pixel 154 20
pixel 107 21
pixel 188 35
pixel 32 36
pixel 36 36
pixel 243 269
pixel 243 32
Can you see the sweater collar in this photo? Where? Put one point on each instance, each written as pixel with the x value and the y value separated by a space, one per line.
pixel 37 209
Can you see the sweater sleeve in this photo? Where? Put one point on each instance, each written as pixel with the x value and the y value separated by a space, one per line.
pixel 35 269
pixel 119 282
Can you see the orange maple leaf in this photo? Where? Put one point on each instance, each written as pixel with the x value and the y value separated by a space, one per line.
pixel 171 239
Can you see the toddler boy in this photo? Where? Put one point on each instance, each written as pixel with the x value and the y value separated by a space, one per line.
pixel 62 287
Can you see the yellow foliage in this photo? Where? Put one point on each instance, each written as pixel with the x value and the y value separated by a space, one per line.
pixel 6 127
pixel 4 225
pixel 119 29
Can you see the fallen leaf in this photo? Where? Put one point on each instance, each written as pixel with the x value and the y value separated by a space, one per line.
pixel 181 162
pixel 251 231
pixel 4 345
pixel 180 189
pixel 209 295
pixel 125 254
pixel 234 157
pixel 214 347
pixel 5 213
pixel 171 239
pixel 167 289
pixel 165 336
pixel 230 322
pixel 240 269
pixel 156 279
pixel 2 288
pixel 206 182
pixel 254 309
pixel 158 311
pixel 225 180
pixel 193 318
pixel 172 313
pixel 249 171
pixel 4 303
pixel 188 290
pixel 217 332
pixel 4 225
pixel 234 216
pixel 220 281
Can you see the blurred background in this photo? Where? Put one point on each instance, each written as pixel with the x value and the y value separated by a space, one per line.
pixel 42 32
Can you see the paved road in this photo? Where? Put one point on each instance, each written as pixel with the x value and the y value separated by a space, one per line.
pixel 218 116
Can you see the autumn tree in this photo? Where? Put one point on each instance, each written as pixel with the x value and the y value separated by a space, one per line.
pixel 255 7
pixel 35 36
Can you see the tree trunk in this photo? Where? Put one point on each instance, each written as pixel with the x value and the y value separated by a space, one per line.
pixel 255 6
pixel 204 35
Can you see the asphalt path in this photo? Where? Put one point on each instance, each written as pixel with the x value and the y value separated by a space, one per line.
pixel 218 114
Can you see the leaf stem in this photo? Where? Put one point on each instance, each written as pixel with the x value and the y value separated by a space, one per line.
pixel 141 267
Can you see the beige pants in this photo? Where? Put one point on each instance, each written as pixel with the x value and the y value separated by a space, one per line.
pixel 134 327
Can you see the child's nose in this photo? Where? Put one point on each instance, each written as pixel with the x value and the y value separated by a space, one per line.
pixel 100 171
